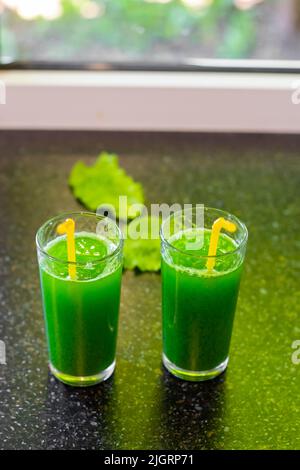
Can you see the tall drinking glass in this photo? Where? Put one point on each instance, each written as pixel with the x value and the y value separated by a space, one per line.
pixel 198 304
pixel 81 311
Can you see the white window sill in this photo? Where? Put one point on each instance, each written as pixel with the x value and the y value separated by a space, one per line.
pixel 151 101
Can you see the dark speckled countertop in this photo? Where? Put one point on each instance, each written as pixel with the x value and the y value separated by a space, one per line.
pixel 256 403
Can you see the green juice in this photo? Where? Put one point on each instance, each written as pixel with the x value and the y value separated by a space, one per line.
pixel 81 315
pixel 198 306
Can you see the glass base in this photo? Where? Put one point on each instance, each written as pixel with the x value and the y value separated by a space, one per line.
pixel 193 375
pixel 87 381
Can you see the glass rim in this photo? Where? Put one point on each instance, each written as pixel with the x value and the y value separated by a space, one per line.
pixel 78 263
pixel 222 214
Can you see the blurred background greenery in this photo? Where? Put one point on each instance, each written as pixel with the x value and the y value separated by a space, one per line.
pixel 149 30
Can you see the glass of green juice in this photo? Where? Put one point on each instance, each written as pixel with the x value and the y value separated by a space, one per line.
pixel 81 311
pixel 198 304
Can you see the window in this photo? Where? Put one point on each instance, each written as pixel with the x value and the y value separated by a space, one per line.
pixel 138 43
pixel 166 32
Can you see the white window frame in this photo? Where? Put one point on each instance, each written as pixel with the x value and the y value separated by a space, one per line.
pixel 151 101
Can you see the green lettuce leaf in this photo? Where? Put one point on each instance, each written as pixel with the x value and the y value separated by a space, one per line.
pixel 103 183
pixel 142 253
